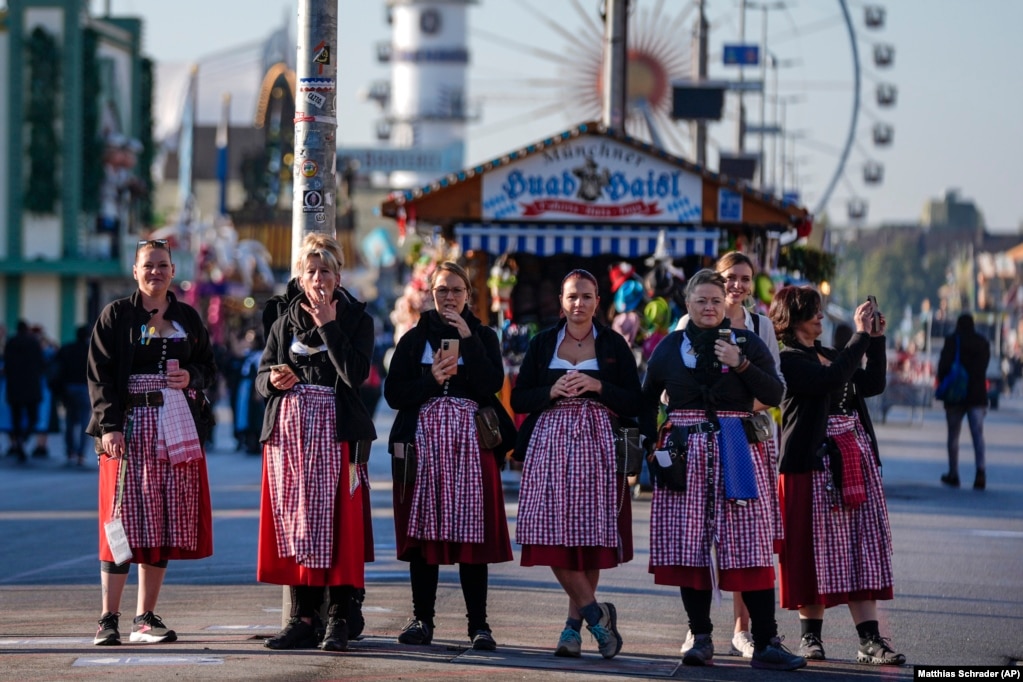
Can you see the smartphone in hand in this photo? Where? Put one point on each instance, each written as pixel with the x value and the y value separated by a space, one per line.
pixel 875 323
pixel 449 348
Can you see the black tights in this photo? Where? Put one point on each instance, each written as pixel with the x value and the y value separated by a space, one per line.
pixel 760 604
pixel 473 577
pixel 306 600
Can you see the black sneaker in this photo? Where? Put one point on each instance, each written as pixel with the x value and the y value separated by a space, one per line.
pixel 483 640
pixel 297 634
pixel 811 648
pixel 699 651
pixel 335 637
pixel 149 628
pixel 107 634
pixel 950 480
pixel 415 632
pixel 774 656
pixel 877 651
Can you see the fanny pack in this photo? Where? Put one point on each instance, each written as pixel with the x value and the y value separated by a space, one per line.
pixel 757 427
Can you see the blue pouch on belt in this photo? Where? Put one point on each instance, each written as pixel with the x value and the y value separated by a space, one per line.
pixel 736 461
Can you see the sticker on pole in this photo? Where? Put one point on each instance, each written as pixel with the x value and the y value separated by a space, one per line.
pixel 312 201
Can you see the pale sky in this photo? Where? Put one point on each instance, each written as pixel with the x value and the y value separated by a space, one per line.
pixel 957 119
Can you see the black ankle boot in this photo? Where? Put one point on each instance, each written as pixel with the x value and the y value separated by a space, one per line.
pixel 335 637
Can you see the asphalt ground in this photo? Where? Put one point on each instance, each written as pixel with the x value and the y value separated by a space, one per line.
pixel 958 568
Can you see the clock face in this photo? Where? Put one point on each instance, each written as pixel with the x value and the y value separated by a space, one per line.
pixel 429 21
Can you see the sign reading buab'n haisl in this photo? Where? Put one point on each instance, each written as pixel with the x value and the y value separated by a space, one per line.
pixel 592 179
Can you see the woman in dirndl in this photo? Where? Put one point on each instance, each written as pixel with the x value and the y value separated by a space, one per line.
pixel 578 381
pixel 150 359
pixel 453 510
pixel 838 544
pixel 738 270
pixel 717 534
pixel 316 431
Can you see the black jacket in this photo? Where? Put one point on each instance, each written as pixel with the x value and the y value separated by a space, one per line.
pixel 732 391
pixel 410 383
pixel 808 383
pixel 619 378
pixel 114 340
pixel 349 341
pixel 974 354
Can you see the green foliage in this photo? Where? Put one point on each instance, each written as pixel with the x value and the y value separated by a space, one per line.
pixel 43 57
pixel 92 142
pixel 815 265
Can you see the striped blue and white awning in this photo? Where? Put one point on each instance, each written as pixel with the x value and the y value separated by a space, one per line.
pixel 587 240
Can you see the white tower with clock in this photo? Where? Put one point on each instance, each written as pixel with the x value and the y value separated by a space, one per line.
pixel 429 57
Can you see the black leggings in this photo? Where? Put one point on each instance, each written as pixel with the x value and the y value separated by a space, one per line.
pixel 306 600
pixel 760 604
pixel 473 577
pixel 111 567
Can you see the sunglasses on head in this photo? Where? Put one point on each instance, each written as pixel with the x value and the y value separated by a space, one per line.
pixel 158 243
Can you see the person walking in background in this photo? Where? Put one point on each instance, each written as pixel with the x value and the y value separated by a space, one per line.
pixel 150 359
pixel 453 510
pixel 738 271
pixel 316 431
pixel 71 386
pixel 838 542
pixel 24 366
pixel 712 516
pixel 577 379
pixel 974 353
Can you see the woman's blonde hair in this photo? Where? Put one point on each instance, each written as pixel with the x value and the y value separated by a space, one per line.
pixel 705 276
pixel 451 266
pixel 324 246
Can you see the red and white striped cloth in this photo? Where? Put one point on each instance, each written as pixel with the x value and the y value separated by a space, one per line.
pixel 447 502
pixel 567 496
pixel 178 440
pixel 161 502
pixel 743 535
pixel 305 465
pixel 852 546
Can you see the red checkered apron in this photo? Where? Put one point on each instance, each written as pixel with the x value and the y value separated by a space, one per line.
pixel 161 501
pixel 447 503
pixel 305 465
pixel 567 496
pixel 681 530
pixel 852 547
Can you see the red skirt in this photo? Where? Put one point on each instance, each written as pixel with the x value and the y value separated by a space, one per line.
pixel 798 579
pixel 588 558
pixel 151 555
pixel 496 547
pixel 346 568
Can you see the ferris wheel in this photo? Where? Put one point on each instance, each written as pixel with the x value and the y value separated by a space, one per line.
pixel 814 100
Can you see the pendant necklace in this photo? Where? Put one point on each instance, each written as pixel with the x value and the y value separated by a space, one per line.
pixel 578 341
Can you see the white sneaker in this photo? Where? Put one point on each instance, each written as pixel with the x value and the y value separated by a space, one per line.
pixel 688 644
pixel 742 644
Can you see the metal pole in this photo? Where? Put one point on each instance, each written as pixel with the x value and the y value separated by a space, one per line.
pixel 315 188
pixel 615 46
pixel 700 128
pixel 740 126
pixel 313 205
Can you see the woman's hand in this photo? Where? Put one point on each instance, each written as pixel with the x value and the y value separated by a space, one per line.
pixel 727 353
pixel 282 377
pixel 444 367
pixel 113 444
pixel 574 384
pixel 178 378
pixel 864 316
pixel 455 320
pixel 320 307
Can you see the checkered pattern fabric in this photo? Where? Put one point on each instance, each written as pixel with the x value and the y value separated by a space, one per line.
pixel 736 461
pixel 161 502
pixel 853 491
pixel 567 495
pixel 852 546
pixel 306 467
pixel 684 526
pixel 178 441
pixel 447 503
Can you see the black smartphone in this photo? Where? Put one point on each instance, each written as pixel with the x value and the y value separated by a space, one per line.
pixel 875 323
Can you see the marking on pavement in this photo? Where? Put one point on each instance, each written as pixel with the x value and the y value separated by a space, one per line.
pixel 236 628
pixel 590 662
pixel 96 661
pixel 998 533
pixel 40 641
